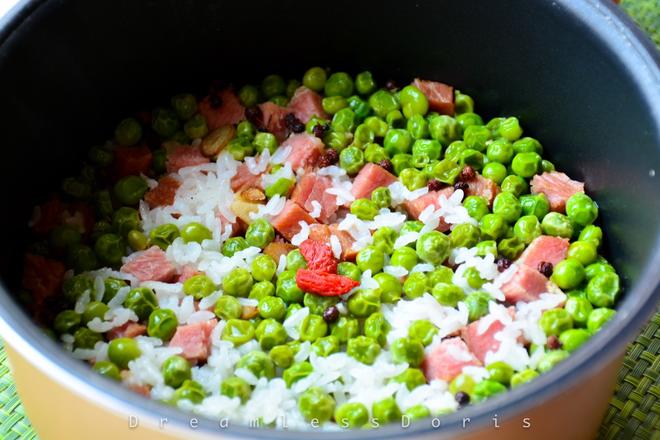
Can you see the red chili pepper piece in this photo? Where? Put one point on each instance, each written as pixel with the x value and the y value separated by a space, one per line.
pixel 319 256
pixel 324 284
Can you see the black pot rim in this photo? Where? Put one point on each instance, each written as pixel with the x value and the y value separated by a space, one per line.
pixel 632 48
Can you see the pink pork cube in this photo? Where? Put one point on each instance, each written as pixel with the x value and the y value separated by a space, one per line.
pixel 194 340
pixel 557 187
pixel 447 360
pixel 150 265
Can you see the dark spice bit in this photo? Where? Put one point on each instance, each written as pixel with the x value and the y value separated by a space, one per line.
pixel 390 85
pixel 502 263
pixel 553 342
pixel 329 157
pixel 215 100
pixel 319 130
pixel 461 185
pixel 331 314
pixel 462 398
pixel 435 185
pixel 467 174
pixel 545 268
pixel 294 124
pixel 386 164
pixel 254 115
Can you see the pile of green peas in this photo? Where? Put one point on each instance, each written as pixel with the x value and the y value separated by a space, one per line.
pixel 367 124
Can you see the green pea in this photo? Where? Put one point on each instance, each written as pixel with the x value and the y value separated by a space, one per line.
pixel 441 274
pixel 370 258
pixel 462 383
pixel 413 179
pixel 377 327
pixel 500 151
pixel 326 345
pixel 260 233
pixel 363 348
pixel 237 331
pixel 318 304
pixel 448 294
pixel 583 251
pixel 273 85
pixel 443 129
pixel 487 247
pixel 95 309
pixel 189 390
pixel 477 304
pixel 464 235
pixel 423 331
pixel 228 307
pixel 350 270
pixel 433 247
pixel 500 372
pixel 123 350
pixel 261 290
pixel 411 377
pixel 493 226
pixel 265 141
pixel 128 132
pixel 408 350
pixel 263 268
pixel 507 206
pixel 238 282
pixel 510 129
pixel 568 274
pixel 473 277
pixel 527 145
pixel 527 228
pixel 418 127
pixel 477 206
pixel 162 324
pixel 137 240
pixel 579 309
pixel 361 109
pixel 76 188
pixel 597 268
pixel 66 321
pixel 401 162
pixel 62 237
pixel 386 410
pixel 248 95
pixel 415 285
pixel 312 328
pixel 282 187
pixel 411 226
pixel 343 121
pixel 364 209
pixel 351 159
pixel 494 171
pixel 472 158
pixel 522 377
pixel 291 86
pixel 454 150
pixel 397 140
pixel 462 103
pixel 374 153
pixel 413 101
pixel 476 136
pixel 287 289
pixel 81 258
pixel 581 209
pixel 236 387
pixel 282 356
pixel 364 302
pixel 258 363
pixel 352 415
pixel 377 125
pixel 511 248
pixel 199 286
pixel 164 235
pixel 551 359
pixel 110 249
pixel 547 166
pixel 164 122
pixel 515 185
pixel 405 257
pixel 395 119
pixel 555 321
pixel 272 307
pixel 592 233
pixel 107 369
pixel 339 84
pixel 364 83
pixel 112 286
pixel 185 105
pixel 100 156
pixel 572 339
pixel 333 104
pixel 536 205
pixel 270 333
pixel 315 78
pixel 315 404
pixel 469 119
pixel 86 338
pixel 129 190
pixel 345 328
pixel 142 301
pixel 526 164
pixel 196 127
pixel 296 372
pixel 381 197
pixel 176 370
pixel 598 318
pixel 295 260
pixel 383 102
pixel 486 389
pixel 603 289
pixel 389 286
pixel 557 225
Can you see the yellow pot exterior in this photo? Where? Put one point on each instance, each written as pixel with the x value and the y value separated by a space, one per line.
pixel 58 412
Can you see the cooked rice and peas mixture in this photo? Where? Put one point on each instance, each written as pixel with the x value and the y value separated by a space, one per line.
pixel 333 251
